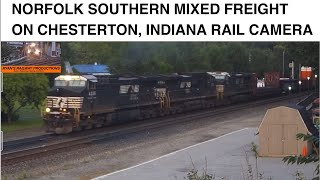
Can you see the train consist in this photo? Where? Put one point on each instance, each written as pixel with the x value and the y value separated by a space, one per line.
pixel 79 102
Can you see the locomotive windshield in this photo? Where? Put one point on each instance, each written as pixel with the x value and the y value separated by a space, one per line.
pixel 73 81
pixel 70 83
pixel 220 77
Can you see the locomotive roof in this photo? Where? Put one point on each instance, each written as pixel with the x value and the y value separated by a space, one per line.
pixel 127 78
pixel 164 77
pixel 160 77
pixel 90 78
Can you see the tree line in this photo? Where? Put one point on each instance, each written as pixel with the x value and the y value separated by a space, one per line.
pixel 169 57
pixel 157 57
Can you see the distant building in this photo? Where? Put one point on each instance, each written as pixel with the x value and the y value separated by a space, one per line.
pixel 94 69
pixel 52 49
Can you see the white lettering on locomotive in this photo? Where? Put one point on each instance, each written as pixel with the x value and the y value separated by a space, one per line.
pixel 64 102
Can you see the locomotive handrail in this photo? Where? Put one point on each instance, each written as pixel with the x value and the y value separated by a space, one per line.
pixel 169 100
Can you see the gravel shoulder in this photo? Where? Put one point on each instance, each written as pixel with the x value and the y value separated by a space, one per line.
pixel 131 149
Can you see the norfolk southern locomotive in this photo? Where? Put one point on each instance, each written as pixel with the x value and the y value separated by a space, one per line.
pixel 85 101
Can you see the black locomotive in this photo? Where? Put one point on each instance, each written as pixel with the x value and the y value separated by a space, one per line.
pixel 85 101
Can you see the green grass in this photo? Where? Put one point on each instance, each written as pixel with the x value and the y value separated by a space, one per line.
pixel 21 124
pixel 28 118
pixel 29 113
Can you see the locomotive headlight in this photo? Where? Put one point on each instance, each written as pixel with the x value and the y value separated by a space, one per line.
pixel 33 44
pixel 47 110
pixel 29 51
pixel 64 110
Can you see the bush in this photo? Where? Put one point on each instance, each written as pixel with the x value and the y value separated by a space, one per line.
pixel 312 158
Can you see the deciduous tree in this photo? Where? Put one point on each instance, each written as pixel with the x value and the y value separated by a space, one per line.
pixel 21 90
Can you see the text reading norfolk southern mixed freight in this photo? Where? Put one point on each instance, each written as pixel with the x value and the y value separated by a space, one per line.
pixel 148 8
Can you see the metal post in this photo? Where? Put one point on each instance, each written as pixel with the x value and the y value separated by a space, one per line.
pixel 316 82
pixel 299 71
pixel 292 70
pixel 308 83
pixel 289 88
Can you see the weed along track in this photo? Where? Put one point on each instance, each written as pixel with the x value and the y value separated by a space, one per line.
pixel 31 148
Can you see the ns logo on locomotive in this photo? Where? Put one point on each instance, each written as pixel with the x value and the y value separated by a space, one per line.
pixel 79 102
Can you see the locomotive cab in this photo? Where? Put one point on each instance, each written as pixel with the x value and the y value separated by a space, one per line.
pixel 65 102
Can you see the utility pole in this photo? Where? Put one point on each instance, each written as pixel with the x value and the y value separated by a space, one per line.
pixel 283 63
pixel 292 69
pixel 299 71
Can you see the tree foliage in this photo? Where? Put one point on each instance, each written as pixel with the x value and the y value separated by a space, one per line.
pixel 5 50
pixel 169 57
pixel 21 90
pixel 312 158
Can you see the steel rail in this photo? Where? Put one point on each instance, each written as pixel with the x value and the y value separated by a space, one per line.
pixel 55 147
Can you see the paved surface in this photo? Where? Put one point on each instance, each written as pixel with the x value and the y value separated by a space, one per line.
pixel 225 157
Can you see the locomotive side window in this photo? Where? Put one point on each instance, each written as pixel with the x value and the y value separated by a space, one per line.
pixel 185 84
pixel 237 81
pixel 159 92
pixel 92 85
pixel 227 80
pixel 241 83
pixel 210 82
pixel 127 89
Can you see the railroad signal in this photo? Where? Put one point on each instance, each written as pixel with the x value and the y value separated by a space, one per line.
pixel 308 83
pixel 289 88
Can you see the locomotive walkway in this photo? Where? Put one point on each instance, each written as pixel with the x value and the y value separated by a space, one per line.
pixel 225 156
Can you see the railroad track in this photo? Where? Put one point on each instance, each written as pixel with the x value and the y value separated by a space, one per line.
pixel 47 62
pixel 44 61
pixel 24 143
pixel 16 155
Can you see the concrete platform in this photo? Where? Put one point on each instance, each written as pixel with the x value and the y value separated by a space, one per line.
pixel 225 156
